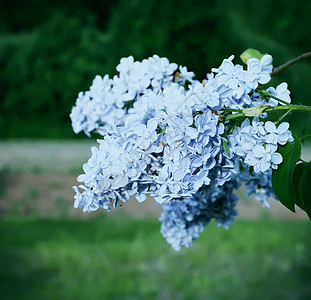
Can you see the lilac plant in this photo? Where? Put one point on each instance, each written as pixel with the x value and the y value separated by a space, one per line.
pixel 187 144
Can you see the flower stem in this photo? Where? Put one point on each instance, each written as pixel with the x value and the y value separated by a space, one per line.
pixel 284 116
pixel 292 107
pixel 265 93
pixel 232 110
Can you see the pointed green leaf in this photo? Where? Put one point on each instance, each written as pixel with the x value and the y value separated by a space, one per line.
pixel 299 169
pixel 225 145
pixel 304 189
pixel 282 178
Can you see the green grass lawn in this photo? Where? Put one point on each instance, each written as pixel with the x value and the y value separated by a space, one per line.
pixel 123 258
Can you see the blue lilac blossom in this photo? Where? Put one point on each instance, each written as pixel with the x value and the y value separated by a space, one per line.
pixel 163 135
pixel 102 107
pixel 183 220
pixel 257 143
pixel 260 186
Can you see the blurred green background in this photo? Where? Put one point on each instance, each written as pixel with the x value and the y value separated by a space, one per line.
pixel 52 50
pixel 105 259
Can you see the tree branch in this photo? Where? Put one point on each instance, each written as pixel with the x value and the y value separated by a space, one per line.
pixel 289 63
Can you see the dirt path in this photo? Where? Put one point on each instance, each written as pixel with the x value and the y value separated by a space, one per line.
pixel 45 156
pixel 51 195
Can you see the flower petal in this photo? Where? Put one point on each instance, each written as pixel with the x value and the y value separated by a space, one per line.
pixel 283 127
pixel 270 127
pixel 276 158
pixel 259 151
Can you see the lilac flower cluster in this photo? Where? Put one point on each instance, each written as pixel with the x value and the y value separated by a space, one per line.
pixel 163 135
pixel 237 84
pixel 102 107
pixel 183 220
pixel 257 143
pixel 260 186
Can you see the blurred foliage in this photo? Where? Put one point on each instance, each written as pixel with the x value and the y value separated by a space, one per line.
pixel 42 72
pixel 122 258
pixel 46 58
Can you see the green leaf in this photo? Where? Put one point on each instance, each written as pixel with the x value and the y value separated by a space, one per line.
pixel 250 53
pixel 282 178
pixel 297 174
pixel 225 145
pixel 304 189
